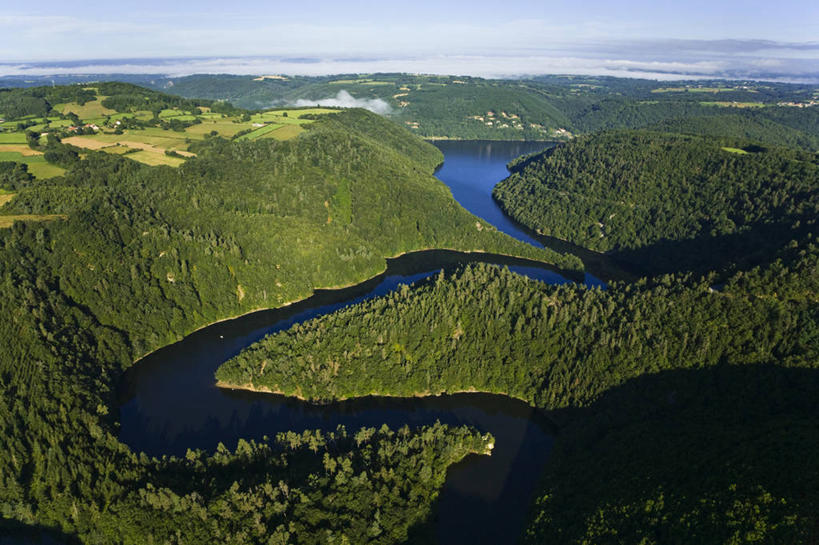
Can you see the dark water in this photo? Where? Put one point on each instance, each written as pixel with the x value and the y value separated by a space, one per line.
pixel 168 401
pixel 473 168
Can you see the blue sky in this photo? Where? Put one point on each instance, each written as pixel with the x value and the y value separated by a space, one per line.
pixel 661 34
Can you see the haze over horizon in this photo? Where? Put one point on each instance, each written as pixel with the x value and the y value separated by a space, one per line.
pixel 751 39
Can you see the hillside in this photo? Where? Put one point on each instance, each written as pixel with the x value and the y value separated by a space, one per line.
pixel 664 202
pixel 742 125
pixel 122 119
pixel 128 257
pixel 540 108
pixel 683 411
pixel 430 106
pixel 490 330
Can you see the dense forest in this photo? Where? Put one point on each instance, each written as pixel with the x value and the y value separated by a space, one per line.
pixel 554 346
pixel 685 411
pixel 685 404
pixel 664 202
pixel 138 256
pixel 183 247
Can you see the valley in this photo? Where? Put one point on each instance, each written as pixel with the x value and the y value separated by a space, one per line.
pixel 437 364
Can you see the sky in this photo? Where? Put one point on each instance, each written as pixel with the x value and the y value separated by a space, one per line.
pixel 694 37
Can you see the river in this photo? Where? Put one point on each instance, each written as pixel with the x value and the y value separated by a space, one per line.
pixel 169 403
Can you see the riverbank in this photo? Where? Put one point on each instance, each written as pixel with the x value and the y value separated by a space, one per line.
pixel 338 287
pixel 250 387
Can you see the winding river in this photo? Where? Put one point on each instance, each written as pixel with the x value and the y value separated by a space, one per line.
pixel 168 401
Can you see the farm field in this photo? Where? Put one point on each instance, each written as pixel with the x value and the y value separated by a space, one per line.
pixel 37 165
pixel 8 221
pixel 89 110
pixel 727 104
pixel 694 89
pixel 12 138
pixel 153 135
pixel 261 131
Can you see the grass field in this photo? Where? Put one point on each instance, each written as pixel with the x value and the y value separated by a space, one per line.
pixel 225 127
pixel 693 89
pixel 261 131
pixel 116 149
pixel 285 133
pixel 734 104
pixel 12 138
pixel 147 148
pixel 60 123
pixel 89 110
pixel 362 81
pixel 289 116
pixel 22 149
pixel 8 221
pixel 37 164
pixel 154 158
pixel 735 150
pixel 5 197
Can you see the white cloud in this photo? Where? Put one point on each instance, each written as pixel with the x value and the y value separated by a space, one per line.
pixel 345 100
pixel 656 60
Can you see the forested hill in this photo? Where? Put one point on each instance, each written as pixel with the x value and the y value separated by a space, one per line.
pixel 462 107
pixel 486 329
pixel 745 125
pixel 540 108
pixel 684 411
pixel 128 258
pixel 247 225
pixel 667 202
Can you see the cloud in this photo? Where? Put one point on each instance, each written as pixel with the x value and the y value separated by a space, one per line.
pixel 654 59
pixel 345 100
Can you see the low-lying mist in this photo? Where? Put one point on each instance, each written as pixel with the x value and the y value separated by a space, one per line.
pixel 345 100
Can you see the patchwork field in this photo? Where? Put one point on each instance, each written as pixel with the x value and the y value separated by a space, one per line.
pixel 159 137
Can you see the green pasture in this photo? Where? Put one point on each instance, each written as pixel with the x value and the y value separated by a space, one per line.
pixel 89 110
pixel 261 131
pixel 12 138
pixel 725 104
pixel 37 164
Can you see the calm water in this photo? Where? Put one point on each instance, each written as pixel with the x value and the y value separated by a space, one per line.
pixel 472 169
pixel 168 401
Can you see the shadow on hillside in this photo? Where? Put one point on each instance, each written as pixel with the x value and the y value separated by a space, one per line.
pixel 17 533
pixel 689 456
pixel 711 253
